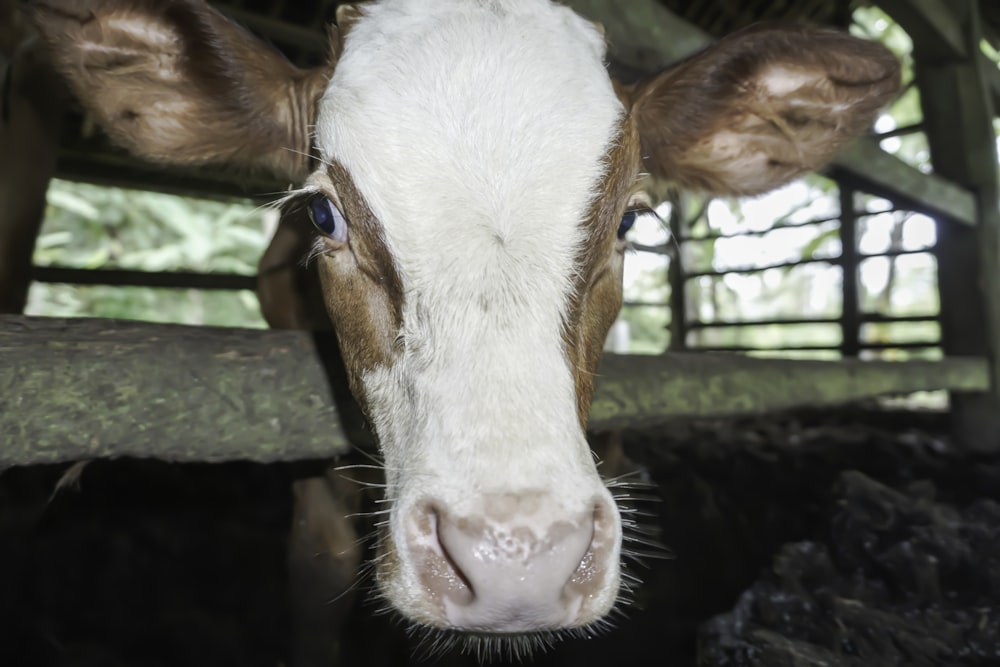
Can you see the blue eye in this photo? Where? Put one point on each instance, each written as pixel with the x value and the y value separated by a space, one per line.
pixel 628 219
pixel 327 218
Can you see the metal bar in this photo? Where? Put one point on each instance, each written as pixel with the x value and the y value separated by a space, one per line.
pixel 863 318
pixel 879 318
pixel 803 262
pixel 758 232
pixel 897 252
pixel 730 324
pixel 130 278
pixel 763 232
pixel 900 131
pixel 760 269
pixel 912 345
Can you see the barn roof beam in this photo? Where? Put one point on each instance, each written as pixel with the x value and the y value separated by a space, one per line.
pixel 931 24
pixel 937 35
pixel 643 34
pixel 644 37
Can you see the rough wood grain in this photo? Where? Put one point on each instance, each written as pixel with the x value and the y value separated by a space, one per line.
pixel 89 388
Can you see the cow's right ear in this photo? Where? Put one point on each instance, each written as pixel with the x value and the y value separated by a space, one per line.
pixel 179 83
pixel 761 107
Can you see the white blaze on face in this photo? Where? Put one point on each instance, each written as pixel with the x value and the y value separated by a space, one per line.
pixel 476 131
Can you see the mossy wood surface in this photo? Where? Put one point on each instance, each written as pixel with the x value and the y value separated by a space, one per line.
pixel 90 388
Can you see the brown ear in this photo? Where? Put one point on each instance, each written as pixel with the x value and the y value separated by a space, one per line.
pixel 761 107
pixel 177 82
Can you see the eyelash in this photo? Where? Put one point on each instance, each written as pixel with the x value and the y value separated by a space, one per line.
pixel 629 217
pixel 327 218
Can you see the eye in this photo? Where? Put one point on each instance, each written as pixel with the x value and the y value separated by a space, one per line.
pixel 629 218
pixel 327 218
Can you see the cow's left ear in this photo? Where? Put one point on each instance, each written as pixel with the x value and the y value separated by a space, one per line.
pixel 761 107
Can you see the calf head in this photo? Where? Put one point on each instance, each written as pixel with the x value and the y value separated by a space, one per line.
pixel 470 168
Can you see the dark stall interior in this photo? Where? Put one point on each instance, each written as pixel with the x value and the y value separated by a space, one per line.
pixel 845 537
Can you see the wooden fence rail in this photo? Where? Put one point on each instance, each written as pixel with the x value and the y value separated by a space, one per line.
pixel 74 389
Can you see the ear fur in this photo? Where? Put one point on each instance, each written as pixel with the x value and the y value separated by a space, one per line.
pixel 348 14
pixel 761 107
pixel 179 83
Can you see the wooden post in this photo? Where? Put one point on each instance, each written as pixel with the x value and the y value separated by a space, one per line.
pixel 958 115
pixel 31 108
pixel 850 319
pixel 675 276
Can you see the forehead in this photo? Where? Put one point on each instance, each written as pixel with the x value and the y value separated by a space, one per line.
pixel 466 124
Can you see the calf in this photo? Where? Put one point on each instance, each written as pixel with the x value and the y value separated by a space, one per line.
pixel 470 168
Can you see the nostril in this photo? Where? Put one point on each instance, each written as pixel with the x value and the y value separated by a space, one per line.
pixel 592 569
pixel 514 573
pixel 461 589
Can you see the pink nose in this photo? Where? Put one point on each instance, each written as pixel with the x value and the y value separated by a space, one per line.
pixel 516 568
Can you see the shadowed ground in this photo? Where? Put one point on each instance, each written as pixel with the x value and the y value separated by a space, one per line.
pixel 157 564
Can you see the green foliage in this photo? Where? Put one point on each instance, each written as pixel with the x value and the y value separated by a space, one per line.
pixel 648 329
pixel 648 325
pixel 89 226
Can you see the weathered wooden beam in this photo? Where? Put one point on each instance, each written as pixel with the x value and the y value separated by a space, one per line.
pixel 101 388
pixel 863 164
pixel 643 34
pixel 632 389
pixel 936 33
pixel 90 388
pixel 993 81
pixel 958 116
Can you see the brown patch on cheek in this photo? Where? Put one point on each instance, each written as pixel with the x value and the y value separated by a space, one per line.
pixel 597 294
pixel 361 288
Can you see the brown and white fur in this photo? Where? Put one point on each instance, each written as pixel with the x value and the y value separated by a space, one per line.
pixel 479 160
